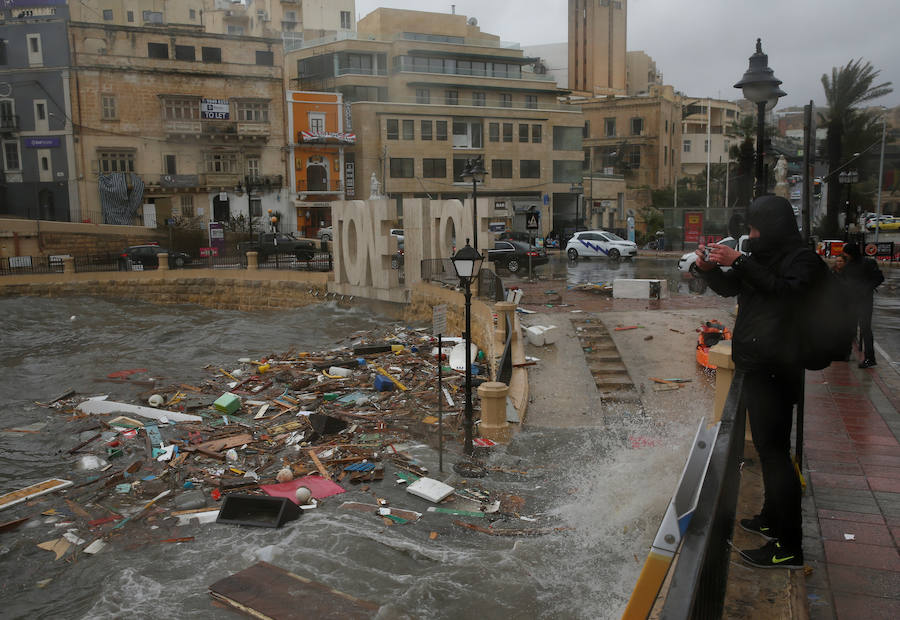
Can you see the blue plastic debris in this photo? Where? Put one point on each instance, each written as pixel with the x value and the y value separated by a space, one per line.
pixel 364 466
pixel 383 384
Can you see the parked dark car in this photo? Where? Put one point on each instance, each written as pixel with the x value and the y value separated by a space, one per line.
pixel 514 255
pixel 146 255
pixel 397 260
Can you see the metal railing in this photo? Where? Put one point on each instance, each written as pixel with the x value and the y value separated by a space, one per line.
pixel 504 366
pixel 439 270
pixel 23 265
pixel 321 261
pixel 100 262
pixel 490 286
pixel 700 576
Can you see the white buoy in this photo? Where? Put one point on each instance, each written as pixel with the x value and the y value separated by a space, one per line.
pixel 303 495
pixel 155 401
pixel 73 317
pixel 231 456
pixel 285 475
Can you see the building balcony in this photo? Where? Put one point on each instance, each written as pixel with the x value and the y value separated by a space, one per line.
pixel 335 186
pixel 237 14
pixel 360 71
pixel 9 124
pixel 219 179
pixel 182 127
pixel 254 130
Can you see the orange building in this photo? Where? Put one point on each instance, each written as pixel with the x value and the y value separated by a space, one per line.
pixel 319 173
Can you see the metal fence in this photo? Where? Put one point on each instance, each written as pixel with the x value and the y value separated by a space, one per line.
pixel 490 286
pixel 319 262
pixel 700 575
pixel 25 265
pixel 100 262
pixel 504 367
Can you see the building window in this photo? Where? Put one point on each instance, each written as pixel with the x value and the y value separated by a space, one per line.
pixel 192 14
pixel 211 54
pixel 107 15
pixel 264 58
pixel 393 129
pixel 478 99
pixel 634 157
pixel 222 163
pixel 35 53
pixel 253 111
pixel 181 109
pixel 237 31
pixel 687 146
pixel 637 126
pixel 253 167
pixel 40 111
pixel 523 132
pixel 530 169
pixel 567 139
pixel 187 205
pixel 130 16
pixel 434 168
pixel 153 17
pixel 440 130
pixel 316 122
pixel 116 161
pixel 666 130
pixel 108 107
pixel 468 134
pixel 157 50
pixel 423 95
pixel 507 132
pixel 425 130
pixel 609 126
pixel 451 97
pixel 409 130
pixel 501 168
pixel 494 132
pixel 45 164
pixel 505 100
pixel 567 171
pixel 185 52
pixel 665 156
pixel 706 146
pixel 531 101
pixel 170 165
pixel 586 131
pixel 346 20
pixel 536 133
pixel 11 160
pixel 402 167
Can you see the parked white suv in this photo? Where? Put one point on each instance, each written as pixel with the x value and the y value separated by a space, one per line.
pixel 589 243
pixel 687 260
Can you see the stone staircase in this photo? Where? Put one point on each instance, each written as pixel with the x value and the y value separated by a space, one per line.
pixel 610 374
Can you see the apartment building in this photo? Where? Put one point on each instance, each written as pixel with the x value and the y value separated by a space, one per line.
pixel 709 130
pixel 319 174
pixel 640 73
pixel 37 167
pixel 175 123
pixel 638 137
pixel 597 38
pixel 426 92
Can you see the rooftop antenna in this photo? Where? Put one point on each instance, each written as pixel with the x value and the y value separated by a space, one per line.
pixel 453 9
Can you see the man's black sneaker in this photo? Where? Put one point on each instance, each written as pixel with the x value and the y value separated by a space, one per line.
pixel 773 555
pixel 867 363
pixel 757 526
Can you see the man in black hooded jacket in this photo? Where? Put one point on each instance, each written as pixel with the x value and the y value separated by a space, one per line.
pixel 770 288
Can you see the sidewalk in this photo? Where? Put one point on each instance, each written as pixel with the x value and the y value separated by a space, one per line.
pixel 851 506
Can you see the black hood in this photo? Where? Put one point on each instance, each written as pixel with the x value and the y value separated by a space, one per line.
pixel 774 218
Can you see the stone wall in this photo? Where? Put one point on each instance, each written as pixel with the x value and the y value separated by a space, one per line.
pixel 36 238
pixel 243 290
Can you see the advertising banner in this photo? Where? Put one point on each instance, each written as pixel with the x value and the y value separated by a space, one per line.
pixel 215 109
pixel 42 143
pixel 217 237
pixel 693 226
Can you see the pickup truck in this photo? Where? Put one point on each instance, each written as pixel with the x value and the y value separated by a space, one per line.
pixel 267 244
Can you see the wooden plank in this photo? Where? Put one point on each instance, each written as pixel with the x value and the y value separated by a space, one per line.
pixel 267 591
pixel 47 486
pixel 319 465
pixel 217 445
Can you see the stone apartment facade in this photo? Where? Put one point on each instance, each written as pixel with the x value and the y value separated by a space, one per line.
pixel 721 118
pixel 429 91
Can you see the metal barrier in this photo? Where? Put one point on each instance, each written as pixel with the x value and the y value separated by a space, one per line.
pixel 504 367
pixel 319 262
pixel 237 260
pixel 100 262
pixel 439 270
pixel 22 265
pixel 697 588
pixel 490 286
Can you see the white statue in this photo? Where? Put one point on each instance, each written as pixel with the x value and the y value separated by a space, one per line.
pixel 374 188
pixel 781 186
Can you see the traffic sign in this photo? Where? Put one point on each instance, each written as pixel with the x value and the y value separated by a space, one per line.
pixel 532 222
pixel 439 319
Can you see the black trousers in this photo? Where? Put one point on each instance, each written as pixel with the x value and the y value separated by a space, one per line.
pixel 770 396
pixel 865 327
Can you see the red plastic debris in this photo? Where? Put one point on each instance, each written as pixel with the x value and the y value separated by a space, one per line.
pixel 121 374
pixel 216 494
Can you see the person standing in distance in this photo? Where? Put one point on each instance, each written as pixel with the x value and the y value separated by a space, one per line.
pixel 862 275
pixel 764 347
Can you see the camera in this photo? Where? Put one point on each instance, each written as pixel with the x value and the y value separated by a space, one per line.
pixel 706 252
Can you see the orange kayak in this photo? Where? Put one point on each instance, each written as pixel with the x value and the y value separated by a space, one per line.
pixel 708 335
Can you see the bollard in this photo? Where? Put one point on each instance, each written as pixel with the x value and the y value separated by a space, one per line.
pixel 720 357
pixel 504 310
pixel 163 261
pixel 493 411
pixel 252 261
pixel 68 265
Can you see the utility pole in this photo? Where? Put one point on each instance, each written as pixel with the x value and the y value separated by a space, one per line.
pixel 708 149
pixel 880 176
pixel 808 133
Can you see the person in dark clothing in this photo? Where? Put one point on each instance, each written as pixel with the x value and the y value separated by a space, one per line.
pixel 862 276
pixel 770 289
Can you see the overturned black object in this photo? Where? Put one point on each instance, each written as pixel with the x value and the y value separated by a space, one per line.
pixel 257 510
pixel 325 424
pixel 369 349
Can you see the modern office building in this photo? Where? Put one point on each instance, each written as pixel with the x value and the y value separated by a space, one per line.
pixel 426 92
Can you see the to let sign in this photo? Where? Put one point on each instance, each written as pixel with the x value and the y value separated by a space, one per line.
pixel 214 109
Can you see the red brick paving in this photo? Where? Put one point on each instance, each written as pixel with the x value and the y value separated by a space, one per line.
pixel 850 447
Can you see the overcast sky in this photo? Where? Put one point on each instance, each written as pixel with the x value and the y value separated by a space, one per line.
pixel 702 47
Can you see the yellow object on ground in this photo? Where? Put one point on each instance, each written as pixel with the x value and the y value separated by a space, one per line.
pixel 395 382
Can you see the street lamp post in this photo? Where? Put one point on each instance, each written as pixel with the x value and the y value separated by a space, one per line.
pixel 762 88
pixel 474 172
pixel 848 178
pixel 467 264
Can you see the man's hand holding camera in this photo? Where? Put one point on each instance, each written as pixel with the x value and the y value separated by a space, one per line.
pixel 714 255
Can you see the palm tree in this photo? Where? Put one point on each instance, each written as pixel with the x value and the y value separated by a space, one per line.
pixel 847 88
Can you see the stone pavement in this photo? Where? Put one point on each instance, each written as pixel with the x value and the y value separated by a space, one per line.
pixel 852 502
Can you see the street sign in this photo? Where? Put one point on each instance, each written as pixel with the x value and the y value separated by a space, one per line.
pixel 532 222
pixel 439 319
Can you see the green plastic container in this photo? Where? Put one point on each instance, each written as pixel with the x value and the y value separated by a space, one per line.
pixel 228 403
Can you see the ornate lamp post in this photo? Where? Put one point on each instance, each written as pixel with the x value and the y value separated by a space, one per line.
pixel 467 264
pixel 474 172
pixel 762 88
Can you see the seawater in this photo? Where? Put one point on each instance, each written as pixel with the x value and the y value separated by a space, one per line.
pixel 602 499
